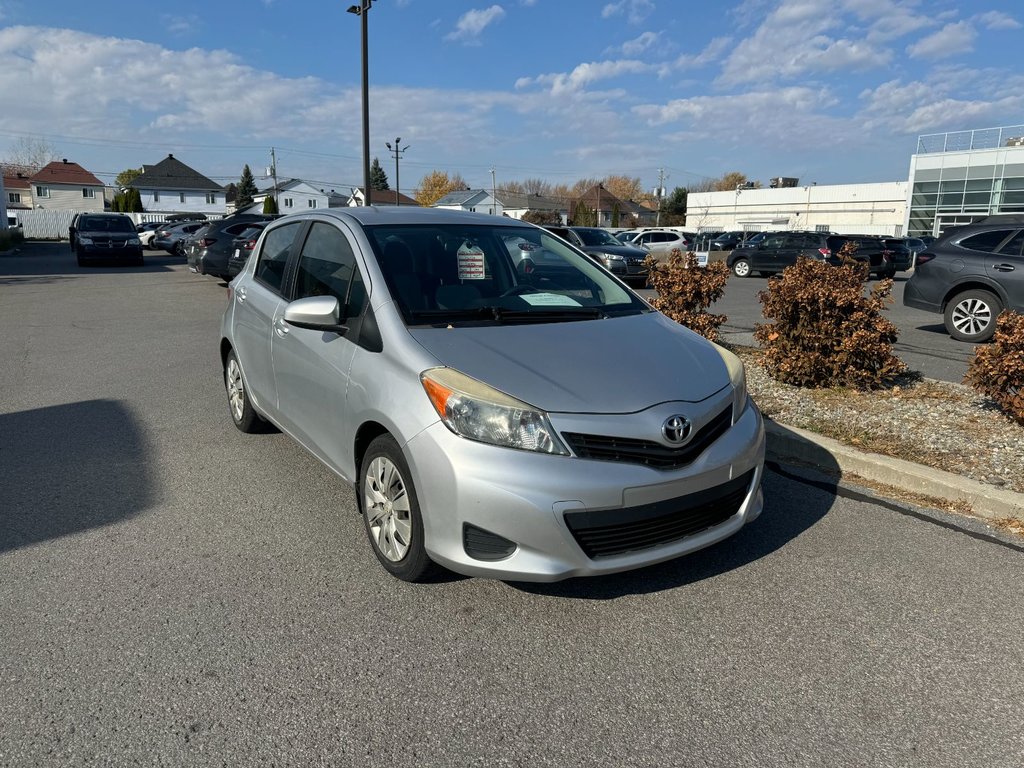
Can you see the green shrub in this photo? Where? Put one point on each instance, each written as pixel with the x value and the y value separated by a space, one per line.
pixel 685 291
pixel 826 331
pixel 997 369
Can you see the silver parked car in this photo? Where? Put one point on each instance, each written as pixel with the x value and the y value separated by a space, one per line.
pixel 520 425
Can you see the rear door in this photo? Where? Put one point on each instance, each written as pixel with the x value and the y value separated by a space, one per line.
pixel 259 303
pixel 1006 267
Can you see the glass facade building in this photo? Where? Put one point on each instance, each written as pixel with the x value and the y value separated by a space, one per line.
pixel 960 177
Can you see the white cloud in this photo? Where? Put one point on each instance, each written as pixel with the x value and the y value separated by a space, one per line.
pixel 585 74
pixel 638 45
pixel 472 23
pixel 998 20
pixel 636 11
pixel 181 25
pixel 951 40
pixel 711 53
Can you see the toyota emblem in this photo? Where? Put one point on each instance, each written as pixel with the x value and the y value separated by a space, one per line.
pixel 676 429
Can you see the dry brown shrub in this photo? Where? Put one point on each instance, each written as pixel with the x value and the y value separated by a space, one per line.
pixel 685 291
pixel 997 369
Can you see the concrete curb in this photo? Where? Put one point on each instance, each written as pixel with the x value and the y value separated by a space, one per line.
pixel 790 444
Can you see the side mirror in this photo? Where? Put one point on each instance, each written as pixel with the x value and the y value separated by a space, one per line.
pixel 316 313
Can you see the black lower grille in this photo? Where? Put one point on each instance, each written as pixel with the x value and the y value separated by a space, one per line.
pixel 484 545
pixel 610 532
pixel 647 452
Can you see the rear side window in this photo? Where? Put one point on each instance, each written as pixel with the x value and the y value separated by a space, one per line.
pixel 274 255
pixel 1015 246
pixel 987 242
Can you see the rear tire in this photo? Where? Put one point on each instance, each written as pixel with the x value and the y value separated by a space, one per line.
pixel 971 316
pixel 391 512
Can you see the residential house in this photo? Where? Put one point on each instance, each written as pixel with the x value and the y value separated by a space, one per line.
pixel 296 195
pixel 381 197
pixel 516 204
pixel 607 207
pixel 476 200
pixel 16 196
pixel 170 186
pixel 66 186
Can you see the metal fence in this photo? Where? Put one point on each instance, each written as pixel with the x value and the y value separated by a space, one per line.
pixel 961 141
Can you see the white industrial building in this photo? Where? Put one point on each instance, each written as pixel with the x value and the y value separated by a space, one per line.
pixel 954 178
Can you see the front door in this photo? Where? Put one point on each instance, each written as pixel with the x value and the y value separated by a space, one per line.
pixel 1007 267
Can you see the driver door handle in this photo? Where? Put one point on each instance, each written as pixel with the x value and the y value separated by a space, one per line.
pixel 280 327
pixel 240 293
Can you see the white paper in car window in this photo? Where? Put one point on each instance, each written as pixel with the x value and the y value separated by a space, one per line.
pixel 471 262
pixel 548 300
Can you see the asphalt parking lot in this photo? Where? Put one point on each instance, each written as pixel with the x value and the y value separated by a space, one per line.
pixel 175 592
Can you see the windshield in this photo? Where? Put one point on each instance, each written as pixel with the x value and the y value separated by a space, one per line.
pixel 106 224
pixel 448 273
pixel 596 237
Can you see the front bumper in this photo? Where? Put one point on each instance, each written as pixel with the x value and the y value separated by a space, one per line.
pixel 110 253
pixel 535 501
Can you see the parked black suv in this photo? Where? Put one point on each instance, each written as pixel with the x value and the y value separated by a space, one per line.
pixel 624 261
pixel 778 250
pixel 970 275
pixel 209 249
pixel 104 237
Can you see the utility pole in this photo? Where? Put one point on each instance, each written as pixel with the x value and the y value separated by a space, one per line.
pixel 494 196
pixel 361 11
pixel 661 192
pixel 273 172
pixel 396 151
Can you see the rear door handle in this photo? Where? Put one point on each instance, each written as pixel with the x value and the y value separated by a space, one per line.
pixel 1003 267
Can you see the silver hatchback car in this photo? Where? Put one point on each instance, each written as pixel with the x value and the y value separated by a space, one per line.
pixel 524 426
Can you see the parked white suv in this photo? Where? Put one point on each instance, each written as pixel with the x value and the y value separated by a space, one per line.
pixel 661 242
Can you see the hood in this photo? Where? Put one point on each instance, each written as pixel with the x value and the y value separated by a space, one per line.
pixel 618 250
pixel 618 365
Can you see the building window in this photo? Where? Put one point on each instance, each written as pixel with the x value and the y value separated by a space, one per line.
pixel 156 197
pixel 14 197
pixel 287 202
pixel 211 198
pixel 311 203
pixel 181 197
pixel 821 228
pixel 42 191
pixel 88 192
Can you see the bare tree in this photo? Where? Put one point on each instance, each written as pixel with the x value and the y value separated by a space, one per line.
pixel 27 155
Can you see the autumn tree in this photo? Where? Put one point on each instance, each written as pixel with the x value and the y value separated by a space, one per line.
pixel 246 189
pixel 624 187
pixel 126 177
pixel 542 217
pixel 378 179
pixel 436 185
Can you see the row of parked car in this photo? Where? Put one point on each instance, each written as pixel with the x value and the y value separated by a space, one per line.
pixel 217 248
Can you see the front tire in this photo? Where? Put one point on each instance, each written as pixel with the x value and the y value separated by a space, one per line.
pixel 391 512
pixel 741 268
pixel 971 316
pixel 242 413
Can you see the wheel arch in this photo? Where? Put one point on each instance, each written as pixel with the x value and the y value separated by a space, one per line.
pixel 974 284
pixel 368 432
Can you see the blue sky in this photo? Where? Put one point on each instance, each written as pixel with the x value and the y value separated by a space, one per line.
pixel 831 91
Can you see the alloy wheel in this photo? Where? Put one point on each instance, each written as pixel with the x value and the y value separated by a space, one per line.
pixel 971 316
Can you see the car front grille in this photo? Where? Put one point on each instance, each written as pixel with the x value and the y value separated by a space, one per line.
pixel 647 452
pixel 611 532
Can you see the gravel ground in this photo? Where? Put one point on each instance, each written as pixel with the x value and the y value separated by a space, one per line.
pixel 942 425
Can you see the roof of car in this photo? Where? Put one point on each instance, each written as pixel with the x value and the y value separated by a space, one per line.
pixel 393 215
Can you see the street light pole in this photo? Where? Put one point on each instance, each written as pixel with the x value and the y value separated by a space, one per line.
pixel 361 11
pixel 397 151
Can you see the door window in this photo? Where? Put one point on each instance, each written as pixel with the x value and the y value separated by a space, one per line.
pixel 327 267
pixel 986 241
pixel 274 255
pixel 1014 246
pixel 776 241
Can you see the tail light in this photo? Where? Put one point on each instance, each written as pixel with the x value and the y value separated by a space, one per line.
pixel 205 242
pixel 924 258
pixel 825 252
pixel 249 245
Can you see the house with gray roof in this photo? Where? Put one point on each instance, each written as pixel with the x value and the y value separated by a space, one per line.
pixel 475 200
pixel 517 204
pixel 170 186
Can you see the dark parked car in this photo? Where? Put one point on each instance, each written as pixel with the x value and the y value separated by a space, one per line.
pixel 242 247
pixel 727 241
pixel 900 254
pixel 777 250
pixel 971 275
pixel 210 247
pixel 170 237
pixel 623 261
pixel 105 237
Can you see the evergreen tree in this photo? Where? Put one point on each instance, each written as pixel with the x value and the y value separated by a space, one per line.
pixel 133 201
pixel 584 216
pixel 615 215
pixel 269 205
pixel 246 189
pixel 378 179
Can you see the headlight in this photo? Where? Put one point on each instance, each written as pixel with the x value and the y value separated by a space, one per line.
pixel 134 241
pixel 476 411
pixel 84 240
pixel 612 257
pixel 738 379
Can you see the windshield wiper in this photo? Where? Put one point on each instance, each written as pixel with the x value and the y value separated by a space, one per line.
pixel 547 314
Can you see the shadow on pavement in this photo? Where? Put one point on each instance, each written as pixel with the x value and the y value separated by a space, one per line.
pixel 70 468
pixel 791 507
pixel 47 262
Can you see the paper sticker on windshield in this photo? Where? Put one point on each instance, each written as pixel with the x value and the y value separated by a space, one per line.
pixel 549 300
pixel 471 262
